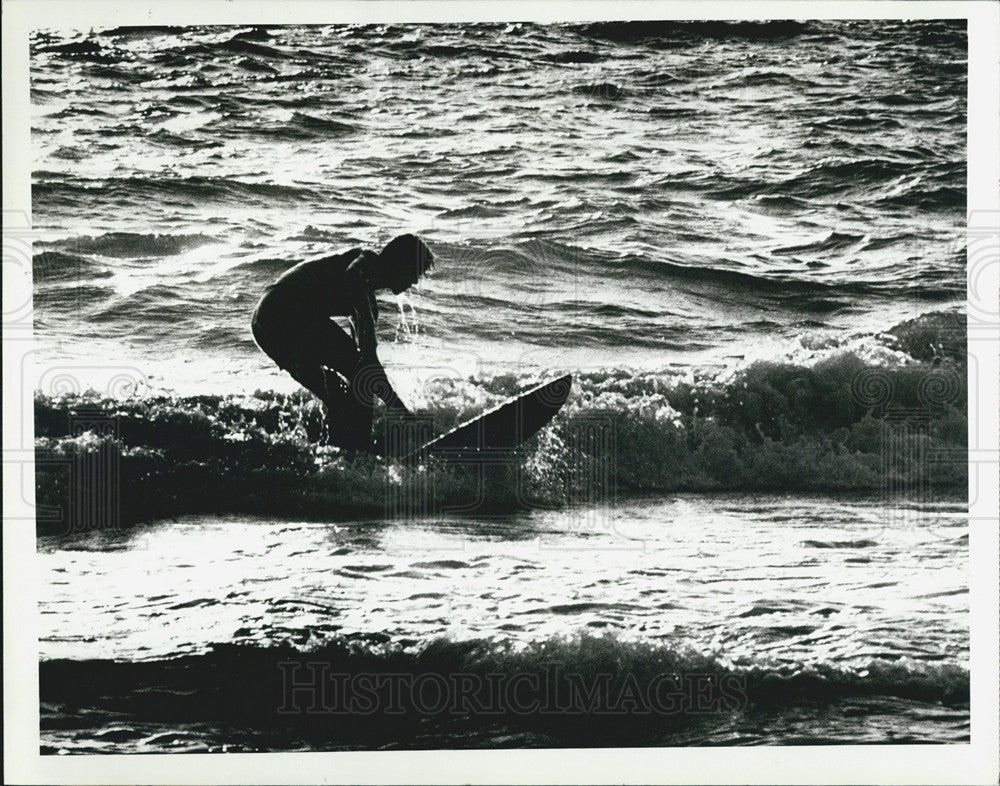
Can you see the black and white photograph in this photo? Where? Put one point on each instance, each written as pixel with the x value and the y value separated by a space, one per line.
pixel 568 381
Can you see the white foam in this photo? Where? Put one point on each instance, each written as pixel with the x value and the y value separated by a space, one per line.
pixel 189 122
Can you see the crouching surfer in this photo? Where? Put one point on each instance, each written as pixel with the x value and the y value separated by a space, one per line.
pixel 293 324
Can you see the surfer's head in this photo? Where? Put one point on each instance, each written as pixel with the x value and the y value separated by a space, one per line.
pixel 403 261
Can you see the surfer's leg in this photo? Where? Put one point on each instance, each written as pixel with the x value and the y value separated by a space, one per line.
pixel 283 336
pixel 301 366
pixel 324 359
pixel 348 422
pixel 302 348
pixel 336 349
pixel 349 412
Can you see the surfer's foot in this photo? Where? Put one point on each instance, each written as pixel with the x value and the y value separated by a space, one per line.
pixel 333 438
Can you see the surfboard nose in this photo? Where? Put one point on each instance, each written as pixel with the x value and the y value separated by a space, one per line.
pixel 505 427
pixel 555 393
pixel 514 422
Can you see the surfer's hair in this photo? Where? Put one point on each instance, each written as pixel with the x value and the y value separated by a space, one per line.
pixel 408 250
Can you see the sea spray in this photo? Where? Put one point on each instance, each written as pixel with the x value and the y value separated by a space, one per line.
pixel 408 327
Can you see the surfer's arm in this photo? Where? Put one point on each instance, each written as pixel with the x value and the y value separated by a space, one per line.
pixel 364 325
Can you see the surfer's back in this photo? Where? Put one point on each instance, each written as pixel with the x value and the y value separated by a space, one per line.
pixel 313 287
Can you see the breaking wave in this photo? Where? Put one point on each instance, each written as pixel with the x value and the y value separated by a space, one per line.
pixel 582 691
pixel 816 422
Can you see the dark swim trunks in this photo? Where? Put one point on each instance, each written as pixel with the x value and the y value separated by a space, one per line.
pixel 298 341
pixel 321 357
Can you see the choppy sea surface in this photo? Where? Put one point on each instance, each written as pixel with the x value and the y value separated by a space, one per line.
pixel 648 194
pixel 745 240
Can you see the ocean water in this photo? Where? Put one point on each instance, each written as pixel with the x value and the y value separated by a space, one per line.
pixel 744 240
pixel 683 195
pixel 830 624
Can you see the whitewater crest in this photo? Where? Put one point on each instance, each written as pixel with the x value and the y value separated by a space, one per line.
pixel 767 426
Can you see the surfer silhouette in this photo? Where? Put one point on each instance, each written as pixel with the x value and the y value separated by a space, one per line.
pixel 293 324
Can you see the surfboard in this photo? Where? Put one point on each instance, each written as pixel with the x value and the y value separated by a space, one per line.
pixel 502 428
